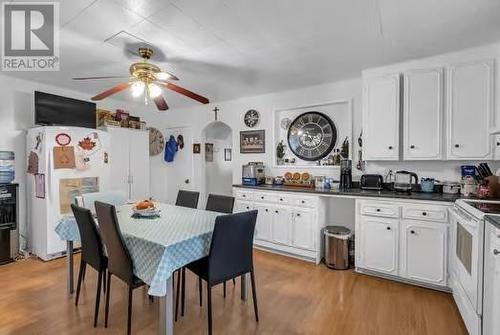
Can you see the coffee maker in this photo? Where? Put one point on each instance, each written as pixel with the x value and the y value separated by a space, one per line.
pixel 345 174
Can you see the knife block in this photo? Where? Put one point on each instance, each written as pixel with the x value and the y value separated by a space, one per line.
pixel 493 184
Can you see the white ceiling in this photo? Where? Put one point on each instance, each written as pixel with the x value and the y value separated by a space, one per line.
pixel 225 49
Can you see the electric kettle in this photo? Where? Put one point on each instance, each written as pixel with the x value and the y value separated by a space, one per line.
pixel 403 181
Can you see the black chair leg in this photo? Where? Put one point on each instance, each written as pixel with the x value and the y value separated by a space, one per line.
pixel 234 281
pixel 84 272
pixel 254 296
pixel 209 304
pixel 106 311
pixel 177 294
pixel 224 285
pixel 200 290
pixel 183 290
pixel 104 274
pixel 129 317
pixel 80 278
pixel 98 297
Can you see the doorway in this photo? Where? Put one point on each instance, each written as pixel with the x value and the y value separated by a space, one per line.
pixel 218 174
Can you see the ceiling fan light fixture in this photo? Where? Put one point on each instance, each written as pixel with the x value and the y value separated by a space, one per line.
pixel 154 90
pixel 138 88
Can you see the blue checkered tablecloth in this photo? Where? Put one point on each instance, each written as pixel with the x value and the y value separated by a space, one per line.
pixel 158 246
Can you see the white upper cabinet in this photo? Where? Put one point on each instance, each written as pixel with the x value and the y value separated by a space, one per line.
pixel 470 110
pixel 381 108
pixel 422 114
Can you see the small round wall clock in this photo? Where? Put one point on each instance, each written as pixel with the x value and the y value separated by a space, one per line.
pixel 312 136
pixel 251 118
pixel 156 142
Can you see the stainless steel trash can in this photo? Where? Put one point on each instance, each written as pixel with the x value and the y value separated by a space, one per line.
pixel 337 247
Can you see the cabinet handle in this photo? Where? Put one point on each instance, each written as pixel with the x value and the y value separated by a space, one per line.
pixel 390 147
pixel 244 195
pixel 412 232
pixel 388 228
pixel 378 209
pixel 496 252
pixel 412 146
pixel 262 197
pixel 303 202
pixel 424 213
pixel 276 212
pixel 267 210
pixel 281 199
pixel 248 207
pixel 498 144
pixel 298 214
pixel 457 145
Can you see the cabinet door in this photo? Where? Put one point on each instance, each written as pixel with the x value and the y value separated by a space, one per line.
pixel 303 229
pixel 242 206
pixel 139 165
pixel 381 118
pixel 422 114
pixel 281 225
pixel 470 108
pixel 264 221
pixel 491 308
pixel 119 159
pixel 379 244
pixel 424 251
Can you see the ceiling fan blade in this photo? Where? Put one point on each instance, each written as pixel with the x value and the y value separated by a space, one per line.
pixel 160 102
pixel 164 75
pixel 104 77
pixel 185 92
pixel 111 91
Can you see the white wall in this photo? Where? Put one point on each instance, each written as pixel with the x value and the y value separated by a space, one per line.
pixel 16 115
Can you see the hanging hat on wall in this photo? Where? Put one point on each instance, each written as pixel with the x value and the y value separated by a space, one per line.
pixel 180 141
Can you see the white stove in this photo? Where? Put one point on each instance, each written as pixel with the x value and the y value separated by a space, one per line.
pixel 467 254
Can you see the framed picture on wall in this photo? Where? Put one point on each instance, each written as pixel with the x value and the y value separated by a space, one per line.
pixel 227 154
pixel 196 148
pixel 253 142
pixel 209 152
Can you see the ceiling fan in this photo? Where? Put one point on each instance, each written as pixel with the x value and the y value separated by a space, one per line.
pixel 148 79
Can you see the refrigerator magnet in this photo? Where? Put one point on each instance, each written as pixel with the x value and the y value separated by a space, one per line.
pixel 63 139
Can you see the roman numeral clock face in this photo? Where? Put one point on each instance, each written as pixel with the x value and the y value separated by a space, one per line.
pixel 312 136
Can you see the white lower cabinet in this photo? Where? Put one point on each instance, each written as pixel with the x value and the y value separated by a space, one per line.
pixel 491 303
pixel 264 221
pixel 281 225
pixel 423 251
pixel 303 229
pixel 286 223
pixel 414 250
pixel 378 244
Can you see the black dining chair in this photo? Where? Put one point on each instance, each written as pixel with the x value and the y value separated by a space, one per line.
pixel 120 263
pixel 187 199
pixel 92 253
pixel 215 203
pixel 230 255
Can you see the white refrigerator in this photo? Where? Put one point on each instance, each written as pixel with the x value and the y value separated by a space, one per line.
pixel 63 162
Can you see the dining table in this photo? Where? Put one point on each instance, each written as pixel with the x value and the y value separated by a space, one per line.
pixel 158 246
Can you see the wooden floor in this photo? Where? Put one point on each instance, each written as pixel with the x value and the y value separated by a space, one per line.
pixel 295 297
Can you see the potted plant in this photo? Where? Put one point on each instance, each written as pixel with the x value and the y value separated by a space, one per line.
pixel 280 153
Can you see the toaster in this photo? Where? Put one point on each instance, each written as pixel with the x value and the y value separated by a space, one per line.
pixel 253 174
pixel 372 182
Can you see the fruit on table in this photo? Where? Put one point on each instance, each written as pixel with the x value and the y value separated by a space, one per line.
pixel 145 204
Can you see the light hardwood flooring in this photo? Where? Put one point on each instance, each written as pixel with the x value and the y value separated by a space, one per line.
pixel 295 297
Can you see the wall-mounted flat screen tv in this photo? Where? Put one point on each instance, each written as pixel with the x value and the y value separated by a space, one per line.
pixel 55 110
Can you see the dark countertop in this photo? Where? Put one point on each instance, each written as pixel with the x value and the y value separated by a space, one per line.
pixel 494 220
pixel 357 192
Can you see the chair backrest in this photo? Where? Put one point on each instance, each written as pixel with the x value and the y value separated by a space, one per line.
pixel 220 203
pixel 231 248
pixel 115 198
pixel 119 261
pixel 187 199
pixel 92 247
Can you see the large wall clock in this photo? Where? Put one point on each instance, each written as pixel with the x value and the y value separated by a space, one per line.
pixel 312 136
pixel 156 142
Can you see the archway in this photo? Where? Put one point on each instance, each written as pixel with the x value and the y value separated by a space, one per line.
pixel 218 175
